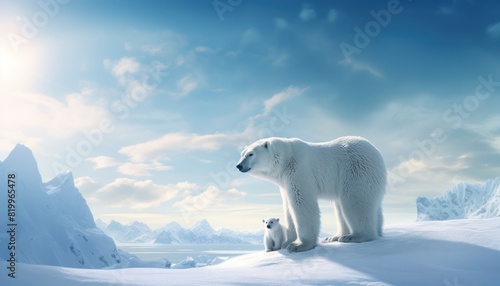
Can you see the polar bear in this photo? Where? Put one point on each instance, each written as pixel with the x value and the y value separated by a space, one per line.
pixel 274 235
pixel 349 171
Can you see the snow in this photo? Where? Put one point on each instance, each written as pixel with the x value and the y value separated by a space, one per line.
pixel 462 201
pixel 458 252
pixel 199 261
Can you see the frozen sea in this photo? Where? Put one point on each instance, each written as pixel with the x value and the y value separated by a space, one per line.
pixel 176 253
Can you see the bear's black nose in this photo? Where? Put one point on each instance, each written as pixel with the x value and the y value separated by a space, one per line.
pixel 268 226
pixel 239 167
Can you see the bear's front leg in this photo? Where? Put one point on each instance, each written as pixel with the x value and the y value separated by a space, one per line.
pixel 291 236
pixel 290 231
pixel 305 213
pixel 268 244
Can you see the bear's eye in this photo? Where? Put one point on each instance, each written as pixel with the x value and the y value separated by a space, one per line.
pixel 272 221
pixel 250 155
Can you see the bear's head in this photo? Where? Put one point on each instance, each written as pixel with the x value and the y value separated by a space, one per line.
pixel 256 159
pixel 271 223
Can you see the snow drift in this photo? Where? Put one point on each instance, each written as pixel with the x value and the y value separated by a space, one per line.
pixel 462 201
pixel 444 253
pixel 54 224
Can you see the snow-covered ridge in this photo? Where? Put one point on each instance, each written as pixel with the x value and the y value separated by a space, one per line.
pixel 173 233
pixel 462 201
pixel 459 252
pixel 54 223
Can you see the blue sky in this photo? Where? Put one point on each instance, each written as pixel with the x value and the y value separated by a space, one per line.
pixel 150 103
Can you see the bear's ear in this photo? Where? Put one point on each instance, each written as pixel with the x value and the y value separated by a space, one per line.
pixel 264 221
pixel 278 219
pixel 266 145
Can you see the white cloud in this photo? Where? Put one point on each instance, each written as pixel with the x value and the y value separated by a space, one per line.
pixel 250 36
pixel 123 67
pixel 233 193
pixel 280 23
pixel 168 144
pixel 153 49
pixel 201 201
pixel 164 42
pixel 307 14
pixel 278 58
pixel 139 81
pixel 332 15
pixel 488 130
pixel 128 168
pixel 233 54
pixel 128 46
pixel 210 197
pixel 87 187
pixel 362 67
pixel 494 30
pixel 495 143
pixel 33 117
pixel 129 194
pixel 142 169
pixel 186 85
pixel 284 95
pixel 136 195
pixel 101 162
pixel 412 166
pixel 203 49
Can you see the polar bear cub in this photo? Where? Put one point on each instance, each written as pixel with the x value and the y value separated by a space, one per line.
pixel 274 235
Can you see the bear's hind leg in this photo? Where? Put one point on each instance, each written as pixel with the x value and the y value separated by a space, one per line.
pixel 342 227
pixel 380 222
pixel 362 217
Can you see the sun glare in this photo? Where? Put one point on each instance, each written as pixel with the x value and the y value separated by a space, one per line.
pixel 7 64
pixel 15 69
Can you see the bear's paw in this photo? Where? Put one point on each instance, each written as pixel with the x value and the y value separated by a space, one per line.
pixel 298 246
pixel 330 239
pixel 354 238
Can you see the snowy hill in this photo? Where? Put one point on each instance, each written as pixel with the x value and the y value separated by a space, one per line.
pixel 463 201
pixel 449 253
pixel 173 233
pixel 54 224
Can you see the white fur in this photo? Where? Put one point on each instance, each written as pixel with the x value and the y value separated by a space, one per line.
pixel 349 171
pixel 274 236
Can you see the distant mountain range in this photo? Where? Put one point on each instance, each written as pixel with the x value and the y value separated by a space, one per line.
pixel 462 202
pixel 174 233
